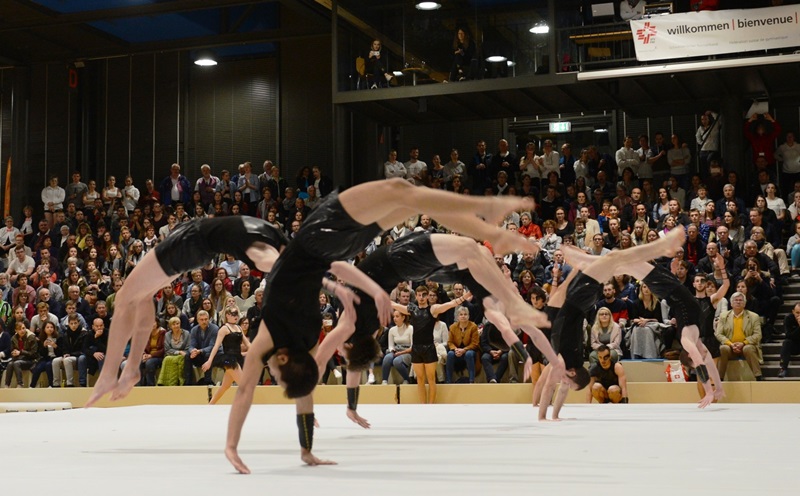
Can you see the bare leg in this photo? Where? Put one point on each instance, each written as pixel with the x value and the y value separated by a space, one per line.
pixel 397 200
pixel 538 386
pixel 263 255
pixel 227 380
pixel 430 374
pixel 244 396
pixel 599 393
pixel 603 268
pixel 614 394
pixel 133 316
pixel 689 338
pixel 419 371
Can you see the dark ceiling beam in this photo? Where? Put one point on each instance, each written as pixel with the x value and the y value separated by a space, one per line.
pixel 681 86
pixel 537 101
pixel 645 90
pixel 500 103
pixel 617 102
pixel 391 110
pixel 572 96
pixel 55 19
pixel 467 109
pixel 238 23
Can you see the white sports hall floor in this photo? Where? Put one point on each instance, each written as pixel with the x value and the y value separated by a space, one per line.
pixel 416 450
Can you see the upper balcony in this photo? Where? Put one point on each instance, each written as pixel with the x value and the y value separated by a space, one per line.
pixel 477 59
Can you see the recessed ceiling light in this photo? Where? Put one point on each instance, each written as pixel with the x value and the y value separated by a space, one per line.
pixel 496 58
pixel 511 63
pixel 205 59
pixel 428 5
pixel 540 28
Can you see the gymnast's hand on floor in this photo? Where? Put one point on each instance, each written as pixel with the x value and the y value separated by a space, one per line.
pixel 312 460
pixel 355 417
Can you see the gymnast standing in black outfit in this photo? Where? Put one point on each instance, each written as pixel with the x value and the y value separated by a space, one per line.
pixel 230 337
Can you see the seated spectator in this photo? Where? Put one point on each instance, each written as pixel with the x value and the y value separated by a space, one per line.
pixel 94 351
pixel 176 346
pixel 550 241
pixel 463 344
pixel 598 246
pixel 739 332
pixel 71 343
pixel 335 360
pixel 378 65
pixel 605 332
pixel 608 383
pixel 153 355
pixel 777 255
pixel 245 299
pixel 494 351
pixel 48 350
pixel 528 228
pixel 791 344
pixel 24 353
pixel 764 300
pixel 625 289
pixel 649 315
pixel 398 354
pixel 531 263
pixel 465 61
pixel 793 246
pixel 558 270
pixel 203 336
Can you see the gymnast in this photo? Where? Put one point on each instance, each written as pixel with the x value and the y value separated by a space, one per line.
pixel 189 246
pixel 582 288
pixel 444 258
pixel 340 227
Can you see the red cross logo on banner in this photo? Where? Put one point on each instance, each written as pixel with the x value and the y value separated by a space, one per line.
pixel 647 33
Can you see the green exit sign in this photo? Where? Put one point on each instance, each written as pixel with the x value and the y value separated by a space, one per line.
pixel 560 127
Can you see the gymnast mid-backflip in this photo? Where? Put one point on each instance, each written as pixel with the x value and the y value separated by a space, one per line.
pixel 443 258
pixel 340 227
pixel 585 282
pixel 191 245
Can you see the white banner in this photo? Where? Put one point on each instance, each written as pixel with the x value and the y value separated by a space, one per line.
pixel 707 33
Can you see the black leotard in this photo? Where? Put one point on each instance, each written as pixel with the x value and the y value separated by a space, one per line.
pixel 567 330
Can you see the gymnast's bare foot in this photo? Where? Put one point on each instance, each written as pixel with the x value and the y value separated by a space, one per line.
pixel 126 383
pixel 497 207
pixel 674 241
pixel 511 242
pixel 104 385
pixel 232 455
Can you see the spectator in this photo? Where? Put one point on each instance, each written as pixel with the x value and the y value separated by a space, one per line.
pixel 23 353
pixel 206 185
pixel 94 351
pixel 415 167
pixel 650 314
pixel 53 197
pixel 793 247
pixel 463 344
pixel 606 332
pixel 378 65
pixel 176 346
pixel 203 336
pixel 739 332
pixel 153 356
pixel 679 158
pixel 71 344
pixel 707 137
pixel 49 349
pixel 175 188
pixel 393 168
pixel 627 157
pixel 465 62
pixel 504 160
pixel 495 351
pixel 788 154
pixel 322 183
pixel 791 344
pixel 398 354
pixel 762 133
pixel 608 383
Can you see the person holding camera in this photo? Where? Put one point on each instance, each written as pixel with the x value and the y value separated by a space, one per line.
pixel 761 130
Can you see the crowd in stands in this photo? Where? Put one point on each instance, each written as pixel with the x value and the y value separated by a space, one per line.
pixel 736 259
pixel 61 272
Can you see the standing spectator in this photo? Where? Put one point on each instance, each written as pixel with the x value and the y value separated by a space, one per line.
pixel 206 185
pixel 504 160
pixel 75 190
pixel 739 332
pixel 548 161
pixel 415 168
pixel 454 167
pixel 707 137
pixel 53 198
pixel 303 181
pixel 567 164
pixel 762 135
pixel 791 344
pixel 175 188
pixel 626 156
pixel 480 169
pixel 788 154
pixel 679 158
pixel 248 186
pixel 392 168
pixel 322 183
pixel 646 158
pixel 130 195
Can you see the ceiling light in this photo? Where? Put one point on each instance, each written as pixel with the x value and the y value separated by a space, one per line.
pixel 496 58
pixel 540 27
pixel 601 130
pixel 397 73
pixel 511 63
pixel 205 59
pixel 428 5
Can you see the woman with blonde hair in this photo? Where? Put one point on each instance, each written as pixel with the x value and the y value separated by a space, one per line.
pixel 605 331
pixel 649 313
pixel 231 338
